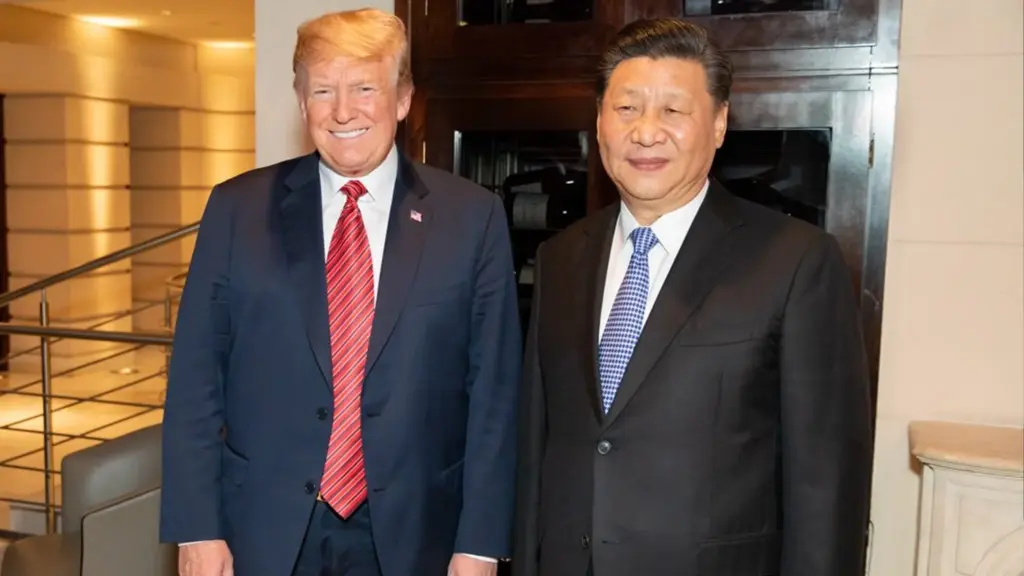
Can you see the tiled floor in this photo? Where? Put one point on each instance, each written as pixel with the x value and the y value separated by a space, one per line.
pixel 96 404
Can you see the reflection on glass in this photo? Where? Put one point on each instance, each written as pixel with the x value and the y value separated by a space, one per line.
pixel 786 170
pixel 721 7
pixel 472 12
pixel 541 178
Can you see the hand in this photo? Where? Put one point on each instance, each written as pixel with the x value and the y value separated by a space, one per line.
pixel 209 558
pixel 462 565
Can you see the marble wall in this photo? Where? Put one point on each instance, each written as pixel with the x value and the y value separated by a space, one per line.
pixel 113 137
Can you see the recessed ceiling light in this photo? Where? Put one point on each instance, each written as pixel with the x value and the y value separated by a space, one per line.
pixel 111 21
pixel 165 12
pixel 228 44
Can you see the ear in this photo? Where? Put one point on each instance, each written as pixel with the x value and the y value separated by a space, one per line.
pixel 299 95
pixel 405 92
pixel 721 124
pixel 298 83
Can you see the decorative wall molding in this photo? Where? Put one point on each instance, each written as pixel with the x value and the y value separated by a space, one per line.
pixel 972 500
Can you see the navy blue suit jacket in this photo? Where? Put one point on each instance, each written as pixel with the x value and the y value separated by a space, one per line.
pixel 248 410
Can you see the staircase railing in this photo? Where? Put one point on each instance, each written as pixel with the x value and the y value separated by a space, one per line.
pixel 49 335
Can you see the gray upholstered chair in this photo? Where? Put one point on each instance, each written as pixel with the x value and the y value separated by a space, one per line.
pixel 110 516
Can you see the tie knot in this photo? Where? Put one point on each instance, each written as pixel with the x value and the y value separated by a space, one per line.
pixel 643 240
pixel 353 189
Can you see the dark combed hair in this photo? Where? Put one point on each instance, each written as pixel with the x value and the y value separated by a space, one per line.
pixel 668 38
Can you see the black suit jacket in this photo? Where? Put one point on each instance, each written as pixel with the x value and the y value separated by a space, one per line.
pixel 248 412
pixel 739 442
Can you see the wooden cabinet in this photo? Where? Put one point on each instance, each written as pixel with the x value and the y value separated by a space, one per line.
pixel 505 112
pixel 533 147
pixel 812 37
pixel 806 154
pixel 517 40
pixel 786 24
pixel 529 40
pixel 451 29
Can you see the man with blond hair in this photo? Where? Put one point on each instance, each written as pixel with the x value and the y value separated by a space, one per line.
pixel 341 397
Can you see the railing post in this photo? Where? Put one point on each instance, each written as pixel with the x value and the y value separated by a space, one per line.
pixel 168 321
pixel 48 473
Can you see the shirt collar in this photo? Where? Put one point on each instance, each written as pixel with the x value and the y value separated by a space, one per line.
pixel 670 229
pixel 380 182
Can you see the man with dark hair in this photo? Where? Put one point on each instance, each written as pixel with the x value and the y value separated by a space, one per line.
pixel 696 392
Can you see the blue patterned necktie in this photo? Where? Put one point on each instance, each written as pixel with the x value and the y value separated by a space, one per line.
pixel 626 319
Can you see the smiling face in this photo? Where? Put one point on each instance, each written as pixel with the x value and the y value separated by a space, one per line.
pixel 352 109
pixel 657 129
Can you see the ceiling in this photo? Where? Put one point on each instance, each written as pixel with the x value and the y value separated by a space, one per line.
pixel 189 20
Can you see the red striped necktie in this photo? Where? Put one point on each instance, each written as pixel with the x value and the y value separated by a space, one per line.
pixel 350 310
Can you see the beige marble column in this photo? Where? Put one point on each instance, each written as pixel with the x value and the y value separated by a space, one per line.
pixel 177 156
pixel 67 175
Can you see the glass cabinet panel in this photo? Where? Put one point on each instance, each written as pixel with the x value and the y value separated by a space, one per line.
pixel 723 7
pixel 476 12
pixel 785 170
pixel 541 177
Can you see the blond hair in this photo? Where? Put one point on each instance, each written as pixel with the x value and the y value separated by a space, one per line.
pixel 365 34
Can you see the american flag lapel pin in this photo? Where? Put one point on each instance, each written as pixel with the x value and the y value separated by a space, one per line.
pixel 414 215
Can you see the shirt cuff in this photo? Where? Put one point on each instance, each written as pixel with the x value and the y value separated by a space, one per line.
pixel 484 558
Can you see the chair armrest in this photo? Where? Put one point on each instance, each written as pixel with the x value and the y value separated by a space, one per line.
pixel 53 555
pixel 123 537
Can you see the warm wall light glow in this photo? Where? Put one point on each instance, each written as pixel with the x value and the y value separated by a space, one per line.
pixel 111 21
pixel 230 44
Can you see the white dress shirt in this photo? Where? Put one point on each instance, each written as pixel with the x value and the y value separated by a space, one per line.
pixel 670 230
pixel 375 206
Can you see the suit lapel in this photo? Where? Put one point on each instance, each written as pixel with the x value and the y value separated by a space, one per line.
pixel 704 252
pixel 407 230
pixel 302 230
pixel 596 249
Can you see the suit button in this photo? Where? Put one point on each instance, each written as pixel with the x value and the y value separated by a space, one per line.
pixel 321 413
pixel 310 487
pixel 604 447
pixel 585 541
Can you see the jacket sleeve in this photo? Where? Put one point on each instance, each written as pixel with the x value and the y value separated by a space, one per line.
pixel 825 418
pixel 532 433
pixel 485 526
pixel 193 411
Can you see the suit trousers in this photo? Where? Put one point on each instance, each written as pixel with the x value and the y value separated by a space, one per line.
pixel 336 546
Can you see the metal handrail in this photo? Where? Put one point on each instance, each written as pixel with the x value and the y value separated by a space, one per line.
pixel 178 280
pixel 79 334
pixel 74 369
pixel 47 333
pixel 156 242
pixel 111 319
